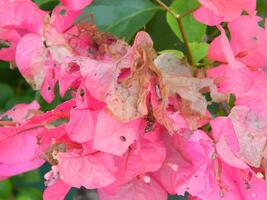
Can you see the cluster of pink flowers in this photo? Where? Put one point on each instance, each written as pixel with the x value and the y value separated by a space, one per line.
pixel 133 128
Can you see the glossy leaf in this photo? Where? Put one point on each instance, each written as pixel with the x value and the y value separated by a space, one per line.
pixel 5 189
pixel 179 54
pixel 194 31
pixel 122 18
pixel 47 4
pixel 199 50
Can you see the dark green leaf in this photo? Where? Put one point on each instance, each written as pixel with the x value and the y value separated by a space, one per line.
pixel 262 7
pixel 157 28
pixel 47 4
pixel 194 30
pixel 122 18
pixel 175 197
pixel 16 100
pixel 6 93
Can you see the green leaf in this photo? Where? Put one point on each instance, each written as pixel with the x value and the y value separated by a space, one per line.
pixel 157 27
pixel 16 100
pixel 23 197
pixel 232 100
pixel 29 193
pixel 199 50
pixel 179 54
pixel 175 197
pixel 194 30
pixel 30 177
pixel 5 189
pixel 47 4
pixel 261 8
pixel 6 92
pixel 122 18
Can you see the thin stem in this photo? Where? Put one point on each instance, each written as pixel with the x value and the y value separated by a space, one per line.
pixel 180 25
pixel 189 53
pixel 189 12
pixel 165 7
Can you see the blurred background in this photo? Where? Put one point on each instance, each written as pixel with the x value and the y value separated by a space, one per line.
pixel 120 17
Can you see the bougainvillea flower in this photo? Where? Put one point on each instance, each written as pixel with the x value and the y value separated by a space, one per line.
pixel 255 97
pixel 143 157
pixel 24 142
pixel 18 168
pixel 128 96
pixel 250 128
pixel 146 155
pixel 21 112
pixel 137 189
pixel 31 59
pixel 15 15
pixel 192 107
pixel 76 5
pixel 115 138
pixel 81 127
pixel 134 125
pixel 41 63
pixel 57 191
pixel 8 42
pixel 227 143
pixel 91 171
pixel 215 12
pixel 62 18
pixel 248 42
pixel 234 73
pixel 208 177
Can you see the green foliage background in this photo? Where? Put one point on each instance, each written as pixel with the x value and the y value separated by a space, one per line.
pixel 122 18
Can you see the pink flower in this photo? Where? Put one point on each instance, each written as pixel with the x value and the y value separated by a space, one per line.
pixel 9 39
pixel 14 14
pixel 116 137
pixel 91 171
pixel 58 191
pixel 19 135
pixel 248 41
pixel 217 11
pixel 139 188
pixel 81 127
pixel 233 77
pixel 76 5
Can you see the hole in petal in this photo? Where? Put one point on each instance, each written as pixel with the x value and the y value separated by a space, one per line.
pixel 82 93
pixel 123 138
pixel 4 44
pixel 124 74
pixel 6 118
pixel 45 44
pixel 62 12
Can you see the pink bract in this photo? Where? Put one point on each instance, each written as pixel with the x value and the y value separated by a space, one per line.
pixel 215 12
pixel 137 125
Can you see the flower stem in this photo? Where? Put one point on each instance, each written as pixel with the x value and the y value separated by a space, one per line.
pixel 189 53
pixel 165 7
pixel 180 25
pixel 189 12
